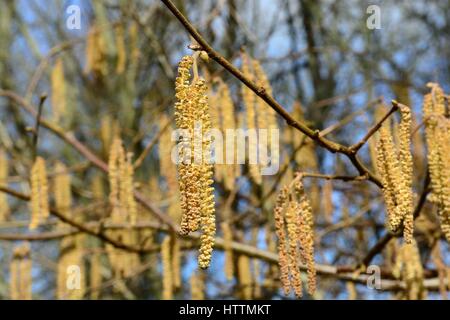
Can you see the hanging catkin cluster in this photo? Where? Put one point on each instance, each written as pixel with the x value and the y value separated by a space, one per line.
pixel 70 248
pixel 70 257
pixel 194 169
pixel 295 232
pixel 408 268
pixel 258 114
pixel 223 119
pixel 124 209
pixel 96 53
pixel 4 207
pixel 245 277
pixel 20 273
pixel 395 169
pixel 39 194
pixel 121 173
pixel 122 261
pixel 437 133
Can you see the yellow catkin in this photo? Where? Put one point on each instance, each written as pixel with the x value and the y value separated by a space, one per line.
pixel 197 287
pixel 115 154
pixel 264 111
pixel 167 269
pixel 294 258
pixel 121 51
pixel 195 174
pixel 187 172
pixel 351 289
pixel 176 262
pixel 39 194
pixel 61 189
pixel 441 269
pixel 306 235
pixel 121 174
pixel 58 83
pixel 207 204
pixel 127 186
pixel 70 282
pixel 406 163
pixel 134 43
pixel 96 53
pixel 408 268
pixel 20 271
pixel 283 259
pixel 229 170
pixel 294 227
pixel 95 276
pixel 245 277
pixel 97 188
pixel 228 238
pixel 437 133
pixel 250 99
pixel 4 206
pixel 393 181
pixel 106 133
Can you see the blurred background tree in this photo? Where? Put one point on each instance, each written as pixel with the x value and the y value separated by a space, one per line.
pixel 116 76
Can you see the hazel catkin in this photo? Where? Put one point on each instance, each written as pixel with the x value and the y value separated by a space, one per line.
pixel 195 171
pixel 39 193
pixel 437 133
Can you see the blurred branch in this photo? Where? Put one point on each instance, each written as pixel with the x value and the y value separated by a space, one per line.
pixel 151 144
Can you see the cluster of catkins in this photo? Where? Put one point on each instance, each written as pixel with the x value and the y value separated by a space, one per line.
pixel 394 164
pixel 295 232
pixel 437 133
pixel 195 170
pixel 408 267
pixel 223 118
pixel 121 172
pixel 258 114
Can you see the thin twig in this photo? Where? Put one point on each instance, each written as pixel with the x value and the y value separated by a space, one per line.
pixel 376 127
pixel 151 144
pixel 38 124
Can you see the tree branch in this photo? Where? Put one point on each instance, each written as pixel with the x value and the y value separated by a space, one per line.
pixel 262 93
